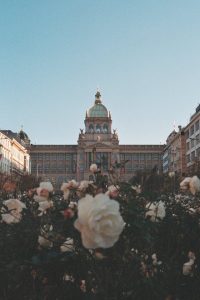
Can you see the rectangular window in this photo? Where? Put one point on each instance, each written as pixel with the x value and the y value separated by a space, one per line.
pixel 155 156
pixel 192 130
pixel 135 167
pixel 122 156
pixel 197 125
pixel 188 146
pixel 135 156
pixel 142 156
pixel 193 156
pixel 192 143
pixel 128 166
pixel 197 139
pixel 148 156
pixel 198 153
pixel 128 156
pixel 149 166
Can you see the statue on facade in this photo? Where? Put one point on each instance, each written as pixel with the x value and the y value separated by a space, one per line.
pixel 115 135
pixel 81 134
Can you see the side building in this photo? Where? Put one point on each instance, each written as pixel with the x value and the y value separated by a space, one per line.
pixel 192 136
pixel 174 153
pixel 14 153
pixel 97 143
pixel 182 150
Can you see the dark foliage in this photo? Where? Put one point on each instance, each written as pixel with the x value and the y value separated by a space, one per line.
pixel 127 271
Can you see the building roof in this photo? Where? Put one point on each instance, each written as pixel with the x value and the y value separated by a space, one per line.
pixel 20 137
pixel 10 134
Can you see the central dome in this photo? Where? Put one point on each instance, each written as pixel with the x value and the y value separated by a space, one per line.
pixel 98 109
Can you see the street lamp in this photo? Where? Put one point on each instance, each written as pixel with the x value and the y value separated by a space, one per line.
pixel 94 153
pixel 37 171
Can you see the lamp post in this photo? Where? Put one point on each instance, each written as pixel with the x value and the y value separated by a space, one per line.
pixel 37 171
pixel 94 153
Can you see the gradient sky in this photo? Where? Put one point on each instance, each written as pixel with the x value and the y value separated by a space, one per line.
pixel 143 55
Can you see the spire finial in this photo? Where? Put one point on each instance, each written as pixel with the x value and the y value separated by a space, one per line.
pixel 97 97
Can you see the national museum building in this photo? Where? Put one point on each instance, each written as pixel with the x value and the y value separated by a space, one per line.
pixel 97 143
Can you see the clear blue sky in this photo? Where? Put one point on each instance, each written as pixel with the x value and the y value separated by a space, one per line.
pixel 144 56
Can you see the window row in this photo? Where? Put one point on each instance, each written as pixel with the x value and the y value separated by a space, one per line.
pixel 195 127
pixel 53 156
pixel 140 156
pixel 97 128
pixel 193 156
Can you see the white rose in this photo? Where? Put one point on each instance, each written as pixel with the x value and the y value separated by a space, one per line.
pixel 72 184
pixel 84 184
pixel 188 266
pixel 155 261
pixel 67 246
pixel 47 186
pixel 99 221
pixel 72 204
pixel 171 174
pixel 113 191
pixel 93 168
pixel 66 186
pixel 155 211
pixel 15 207
pixel 194 185
pixel 44 242
pixel 66 194
pixel 38 197
pixel 137 188
pixel 184 185
pixel 44 205
pixel 43 191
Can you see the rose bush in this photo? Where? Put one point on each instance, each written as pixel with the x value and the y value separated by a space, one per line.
pixel 141 245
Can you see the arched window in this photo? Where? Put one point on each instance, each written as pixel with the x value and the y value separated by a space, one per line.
pixel 91 128
pixel 98 128
pixel 105 128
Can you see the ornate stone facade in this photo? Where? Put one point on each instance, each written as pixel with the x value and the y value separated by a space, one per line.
pixel 97 143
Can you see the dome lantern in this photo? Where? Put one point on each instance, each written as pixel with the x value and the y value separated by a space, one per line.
pixel 98 98
pixel 98 110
